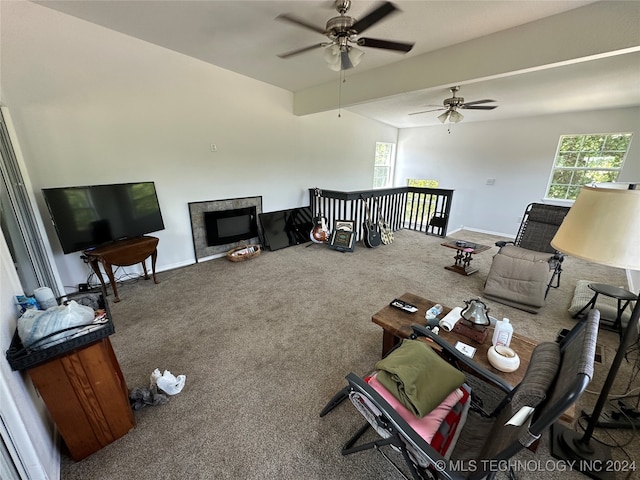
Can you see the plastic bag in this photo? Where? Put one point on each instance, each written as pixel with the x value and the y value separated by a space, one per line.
pixel 167 382
pixel 25 303
pixel 141 397
pixel 52 325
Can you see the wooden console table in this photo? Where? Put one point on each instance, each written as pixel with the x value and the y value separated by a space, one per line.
pixel 121 254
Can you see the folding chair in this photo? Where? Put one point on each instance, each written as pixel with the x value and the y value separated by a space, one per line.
pixel 519 274
pixel 557 375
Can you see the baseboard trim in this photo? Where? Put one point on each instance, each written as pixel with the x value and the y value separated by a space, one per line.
pixel 488 232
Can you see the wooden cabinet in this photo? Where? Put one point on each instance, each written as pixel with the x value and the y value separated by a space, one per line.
pixel 87 397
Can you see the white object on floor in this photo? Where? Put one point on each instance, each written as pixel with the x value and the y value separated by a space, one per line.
pixel 167 382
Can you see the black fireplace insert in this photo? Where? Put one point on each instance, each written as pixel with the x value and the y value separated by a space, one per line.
pixel 229 226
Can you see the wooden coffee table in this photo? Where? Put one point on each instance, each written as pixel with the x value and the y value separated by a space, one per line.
pixel 396 325
pixel 464 255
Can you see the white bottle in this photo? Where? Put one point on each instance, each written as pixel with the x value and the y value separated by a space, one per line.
pixel 502 333
pixel 433 312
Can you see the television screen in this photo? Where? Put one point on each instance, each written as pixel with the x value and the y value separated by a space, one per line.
pixel 286 228
pixel 90 216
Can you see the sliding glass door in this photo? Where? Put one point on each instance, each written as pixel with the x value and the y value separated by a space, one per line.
pixel 18 221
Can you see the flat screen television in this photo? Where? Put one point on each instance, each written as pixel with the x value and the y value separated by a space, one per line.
pixel 94 215
pixel 286 228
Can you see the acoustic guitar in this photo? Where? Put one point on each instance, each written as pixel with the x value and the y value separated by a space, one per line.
pixel 371 235
pixel 320 232
pixel 386 233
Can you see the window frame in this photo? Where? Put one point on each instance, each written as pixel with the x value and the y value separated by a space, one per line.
pixel 390 167
pixel 584 170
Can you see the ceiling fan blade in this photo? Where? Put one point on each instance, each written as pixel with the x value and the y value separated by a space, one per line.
pixel 300 50
pixel 427 111
pixel 377 43
pixel 301 23
pixel 478 107
pixel 374 16
pixel 476 102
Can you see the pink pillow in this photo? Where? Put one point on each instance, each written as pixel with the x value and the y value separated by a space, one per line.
pixel 426 426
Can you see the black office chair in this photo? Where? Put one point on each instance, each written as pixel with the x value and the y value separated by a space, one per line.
pixel 519 274
pixel 557 375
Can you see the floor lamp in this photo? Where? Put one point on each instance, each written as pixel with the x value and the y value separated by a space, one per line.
pixel 602 226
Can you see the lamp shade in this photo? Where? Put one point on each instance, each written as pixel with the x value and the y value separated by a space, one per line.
pixel 603 226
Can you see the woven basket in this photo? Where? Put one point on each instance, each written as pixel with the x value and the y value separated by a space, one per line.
pixel 243 252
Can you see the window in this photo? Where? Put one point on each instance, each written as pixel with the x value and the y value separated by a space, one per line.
pixel 383 165
pixel 584 159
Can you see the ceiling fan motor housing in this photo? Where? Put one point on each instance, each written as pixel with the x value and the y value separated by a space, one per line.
pixel 340 27
pixel 453 101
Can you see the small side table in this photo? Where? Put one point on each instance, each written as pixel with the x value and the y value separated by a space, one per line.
pixel 121 254
pixel 463 257
pixel 620 294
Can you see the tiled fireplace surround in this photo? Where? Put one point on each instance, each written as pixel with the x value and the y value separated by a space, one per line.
pixel 198 230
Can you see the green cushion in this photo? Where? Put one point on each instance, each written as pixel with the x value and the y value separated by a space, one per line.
pixel 418 377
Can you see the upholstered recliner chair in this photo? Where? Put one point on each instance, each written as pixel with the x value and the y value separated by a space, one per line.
pixel 523 271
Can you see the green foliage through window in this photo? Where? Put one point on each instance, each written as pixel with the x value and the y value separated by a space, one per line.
pixel 383 165
pixel 414 182
pixel 415 202
pixel 585 159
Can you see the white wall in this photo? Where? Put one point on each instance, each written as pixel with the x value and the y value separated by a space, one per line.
pixel 26 427
pixel 92 106
pixel 518 154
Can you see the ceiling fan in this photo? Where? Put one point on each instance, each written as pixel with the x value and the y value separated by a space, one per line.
pixel 343 33
pixel 451 105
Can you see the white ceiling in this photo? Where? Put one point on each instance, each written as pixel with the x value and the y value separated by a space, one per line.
pixel 244 36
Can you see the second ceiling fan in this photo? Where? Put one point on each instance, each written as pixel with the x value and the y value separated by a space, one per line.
pixel 343 33
pixel 451 106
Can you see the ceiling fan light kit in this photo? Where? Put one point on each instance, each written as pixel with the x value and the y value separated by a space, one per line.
pixel 451 115
pixel 451 105
pixel 342 58
pixel 342 31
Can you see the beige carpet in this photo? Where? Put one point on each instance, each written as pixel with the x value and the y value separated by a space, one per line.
pixel 265 343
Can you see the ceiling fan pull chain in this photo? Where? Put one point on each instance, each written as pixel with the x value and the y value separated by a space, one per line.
pixel 341 80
